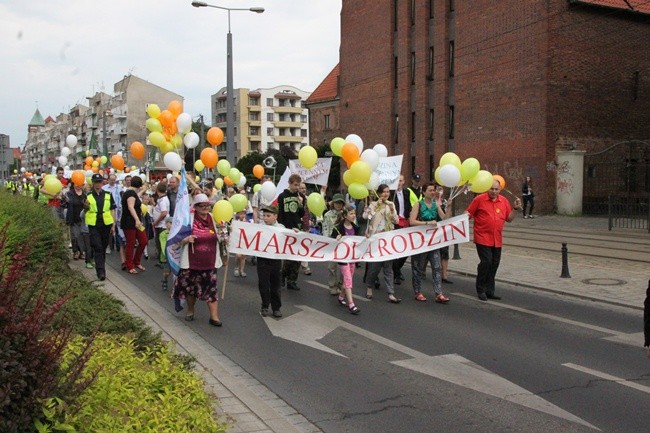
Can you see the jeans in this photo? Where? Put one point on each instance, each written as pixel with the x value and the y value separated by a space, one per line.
pixel 489 257
pixel 373 273
pixel 420 262
pixel 528 199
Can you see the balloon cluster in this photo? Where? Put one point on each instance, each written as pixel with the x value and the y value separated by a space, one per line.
pixel 462 176
pixel 361 174
pixel 224 209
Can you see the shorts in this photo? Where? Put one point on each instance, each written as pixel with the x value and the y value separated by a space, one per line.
pixel 119 242
pixel 444 253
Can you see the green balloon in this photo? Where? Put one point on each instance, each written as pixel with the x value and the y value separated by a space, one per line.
pixel 223 167
pixel 469 168
pixel 336 145
pixel 238 202
pixel 481 182
pixel 154 125
pixel 357 191
pixel 257 187
pixel 316 203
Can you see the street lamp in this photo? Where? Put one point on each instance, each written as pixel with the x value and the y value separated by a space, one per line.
pixel 230 109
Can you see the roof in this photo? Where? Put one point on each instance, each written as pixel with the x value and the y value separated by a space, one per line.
pixel 328 89
pixel 37 119
pixel 640 6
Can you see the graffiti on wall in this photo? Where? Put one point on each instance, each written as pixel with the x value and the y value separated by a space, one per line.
pixel 564 178
pixel 507 169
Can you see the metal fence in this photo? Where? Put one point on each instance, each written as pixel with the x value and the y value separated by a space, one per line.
pixel 629 212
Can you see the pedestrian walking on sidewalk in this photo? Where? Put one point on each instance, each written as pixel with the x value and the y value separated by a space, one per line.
pixel 269 271
pixel 490 211
pixel 529 197
pixel 346 226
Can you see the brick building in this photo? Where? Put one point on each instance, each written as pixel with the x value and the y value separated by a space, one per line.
pixel 509 82
pixel 324 110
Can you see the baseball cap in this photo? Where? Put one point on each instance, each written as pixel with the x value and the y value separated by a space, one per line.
pixel 97 178
pixel 270 208
pixel 338 197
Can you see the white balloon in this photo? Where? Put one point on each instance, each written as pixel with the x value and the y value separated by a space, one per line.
pixel 371 157
pixel 449 175
pixel 242 181
pixel 71 140
pixel 268 190
pixel 143 177
pixel 356 140
pixel 184 122
pixel 191 140
pixel 63 160
pixel 66 168
pixel 169 176
pixel 373 183
pixel 89 173
pixel 65 151
pixel 381 150
pixel 173 161
pixel 22 169
pixel 119 153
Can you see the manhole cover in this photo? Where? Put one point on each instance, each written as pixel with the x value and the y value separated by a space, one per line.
pixel 604 281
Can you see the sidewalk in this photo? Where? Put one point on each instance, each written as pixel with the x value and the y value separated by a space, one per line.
pixel 608 280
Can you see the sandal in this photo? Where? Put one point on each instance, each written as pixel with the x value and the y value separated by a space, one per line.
pixel 354 309
pixel 342 301
pixel 369 293
pixel 133 271
pixel 393 300
pixel 141 268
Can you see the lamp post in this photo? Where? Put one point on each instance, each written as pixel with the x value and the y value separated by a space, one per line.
pixel 230 109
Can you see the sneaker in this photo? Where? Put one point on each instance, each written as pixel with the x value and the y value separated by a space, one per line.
pixel 264 312
pixel 108 250
pixel 277 313
pixel 243 274
pixel 89 265
pixel 420 297
pixel 236 272
pixel 531 216
pixel 164 284
pixel 306 270
pixel 442 299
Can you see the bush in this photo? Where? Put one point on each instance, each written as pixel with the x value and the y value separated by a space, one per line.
pixel 135 391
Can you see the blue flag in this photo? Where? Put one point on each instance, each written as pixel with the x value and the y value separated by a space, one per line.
pixel 181 226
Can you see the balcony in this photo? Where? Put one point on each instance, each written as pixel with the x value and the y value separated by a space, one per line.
pixel 255 108
pixel 257 123
pixel 287 138
pixel 288 109
pixel 288 124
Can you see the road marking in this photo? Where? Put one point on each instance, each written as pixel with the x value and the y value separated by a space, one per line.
pixel 309 325
pixel 325 286
pixel 609 377
pixel 619 337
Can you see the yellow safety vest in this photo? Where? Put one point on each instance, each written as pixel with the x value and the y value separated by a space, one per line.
pixel 91 214
pixel 413 197
pixel 28 190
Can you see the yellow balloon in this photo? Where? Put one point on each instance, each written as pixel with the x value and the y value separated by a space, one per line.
pixel 450 158
pixel 222 211
pixel 198 165
pixel 316 203
pixel 347 177
pixel 360 172
pixel 144 208
pixel 166 147
pixel 153 110
pixel 307 156
pixel 95 164
pixel 218 183
pixel 336 145
pixel 177 141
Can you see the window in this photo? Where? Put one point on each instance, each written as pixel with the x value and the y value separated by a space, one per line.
pixel 413 164
pixel 412 126
pixel 254 130
pixel 269 102
pixel 431 164
pixel 412 67
pixel 431 121
pixel 303 133
pixel 269 131
pixel 253 116
pixel 451 58
pixel 235 132
pixel 303 118
pixel 253 101
pixel 269 117
pixel 451 121
pixel 326 122
pixel 430 65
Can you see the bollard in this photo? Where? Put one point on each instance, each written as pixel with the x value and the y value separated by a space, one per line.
pixel 456 253
pixel 565 262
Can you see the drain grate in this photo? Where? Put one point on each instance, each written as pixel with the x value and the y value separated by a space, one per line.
pixel 604 281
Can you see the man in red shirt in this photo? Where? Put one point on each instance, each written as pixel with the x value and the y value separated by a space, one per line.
pixel 490 212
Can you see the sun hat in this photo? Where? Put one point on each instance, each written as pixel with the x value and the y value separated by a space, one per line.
pixel 200 198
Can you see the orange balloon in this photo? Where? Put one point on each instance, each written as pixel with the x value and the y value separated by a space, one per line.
pixel 166 118
pixel 215 136
pixel 78 177
pixel 87 167
pixel 175 108
pixel 117 162
pixel 350 153
pixel 228 181
pixel 209 157
pixel 89 160
pixel 137 150
pixel 501 180
pixel 94 169
pixel 127 169
pixel 258 171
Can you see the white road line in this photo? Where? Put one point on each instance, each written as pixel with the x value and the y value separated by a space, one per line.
pixel 609 377
pixel 325 286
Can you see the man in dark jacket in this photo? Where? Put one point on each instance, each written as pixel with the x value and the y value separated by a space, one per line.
pixel 402 199
pixel 291 209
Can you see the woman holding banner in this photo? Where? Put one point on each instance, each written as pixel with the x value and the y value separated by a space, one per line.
pixel 381 216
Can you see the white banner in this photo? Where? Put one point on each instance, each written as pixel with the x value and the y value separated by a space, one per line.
pixel 280 243
pixel 318 174
pixel 389 169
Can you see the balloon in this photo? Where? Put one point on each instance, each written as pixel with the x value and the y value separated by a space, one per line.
pixel 184 122
pixel 52 185
pixel 371 157
pixel 166 118
pixel 191 140
pixel 137 150
pixel 89 160
pixel 78 177
pixel 501 180
pixel 316 203
pixel 218 183
pixel 222 211
pixel 481 182
pixel 449 175
pixel 257 187
pixel 357 191
pixel 153 110
pixel 228 181
pixel 349 153
pixel 215 136
pixel 258 171
pixel 373 183
pixel 198 165
pixel 176 108
pixel 238 202
pixel 63 160
pixel 71 140
pixel 95 164
pixel 166 147
pixel 88 173
pixel 144 208
pixel 65 151
pixel 381 150
pixel 157 139
pixel 347 178
pixel 223 167
pixel 104 160
pixel 356 140
pixel 173 161
pixel 469 168
pixel 153 125
pixel 336 144
pixel 234 175
pixel 242 181
pixel 360 172
pixel 307 156
pixel 177 141
pixel 117 162
pixel 450 158
pixel 87 152
pixel 268 191
pixel 209 157
pixel 436 175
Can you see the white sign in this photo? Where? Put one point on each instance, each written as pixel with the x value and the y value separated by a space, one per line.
pixel 280 243
pixel 389 170
pixel 318 174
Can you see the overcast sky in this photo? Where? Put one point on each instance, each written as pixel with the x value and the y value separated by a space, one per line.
pixel 56 53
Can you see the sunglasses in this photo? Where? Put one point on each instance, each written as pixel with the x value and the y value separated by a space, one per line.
pixel 203 205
